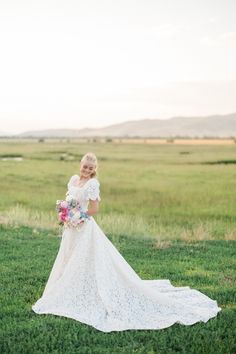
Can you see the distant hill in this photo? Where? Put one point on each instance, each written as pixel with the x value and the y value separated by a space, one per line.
pixel 211 126
pixel 5 134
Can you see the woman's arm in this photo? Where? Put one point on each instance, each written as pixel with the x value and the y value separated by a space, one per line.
pixel 93 207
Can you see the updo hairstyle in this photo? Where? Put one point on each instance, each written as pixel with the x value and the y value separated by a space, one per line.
pixel 90 157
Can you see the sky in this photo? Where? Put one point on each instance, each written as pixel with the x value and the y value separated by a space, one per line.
pixel 76 63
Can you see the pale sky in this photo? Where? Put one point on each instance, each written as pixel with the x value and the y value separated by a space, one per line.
pixel 93 63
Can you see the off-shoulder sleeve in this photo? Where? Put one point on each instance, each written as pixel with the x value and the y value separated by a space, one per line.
pixel 92 190
pixel 73 180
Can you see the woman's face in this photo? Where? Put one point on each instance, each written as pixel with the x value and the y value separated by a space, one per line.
pixel 86 169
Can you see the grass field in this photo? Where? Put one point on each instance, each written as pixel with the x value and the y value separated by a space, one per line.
pixel 169 209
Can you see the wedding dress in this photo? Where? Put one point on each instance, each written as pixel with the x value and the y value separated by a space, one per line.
pixel 92 283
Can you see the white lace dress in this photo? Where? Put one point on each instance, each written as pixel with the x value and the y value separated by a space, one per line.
pixel 92 283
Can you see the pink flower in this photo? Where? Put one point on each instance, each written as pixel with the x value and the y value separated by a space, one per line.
pixel 63 215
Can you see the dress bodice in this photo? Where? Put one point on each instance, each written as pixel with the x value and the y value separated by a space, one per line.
pixel 92 282
pixel 89 191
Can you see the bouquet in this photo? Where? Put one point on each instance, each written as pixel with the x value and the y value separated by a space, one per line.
pixel 70 213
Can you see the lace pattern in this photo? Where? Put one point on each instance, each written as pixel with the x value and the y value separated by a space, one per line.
pixel 92 190
pixel 92 283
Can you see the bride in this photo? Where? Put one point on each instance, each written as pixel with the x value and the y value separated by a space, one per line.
pixel 92 283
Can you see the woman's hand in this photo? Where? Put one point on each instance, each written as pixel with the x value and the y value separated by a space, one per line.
pixel 93 207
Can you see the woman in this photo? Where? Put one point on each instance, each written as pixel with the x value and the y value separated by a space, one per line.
pixel 92 283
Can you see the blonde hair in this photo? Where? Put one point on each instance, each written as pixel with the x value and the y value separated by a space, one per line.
pixel 91 157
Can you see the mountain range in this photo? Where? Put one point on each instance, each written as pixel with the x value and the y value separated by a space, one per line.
pixel 210 126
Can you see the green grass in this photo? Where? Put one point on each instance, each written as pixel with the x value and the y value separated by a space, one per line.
pixel 169 209
pixel 27 258
pixel 170 190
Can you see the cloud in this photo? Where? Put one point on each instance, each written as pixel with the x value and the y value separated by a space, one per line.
pixel 187 97
pixel 166 31
pixel 227 39
pixel 213 19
